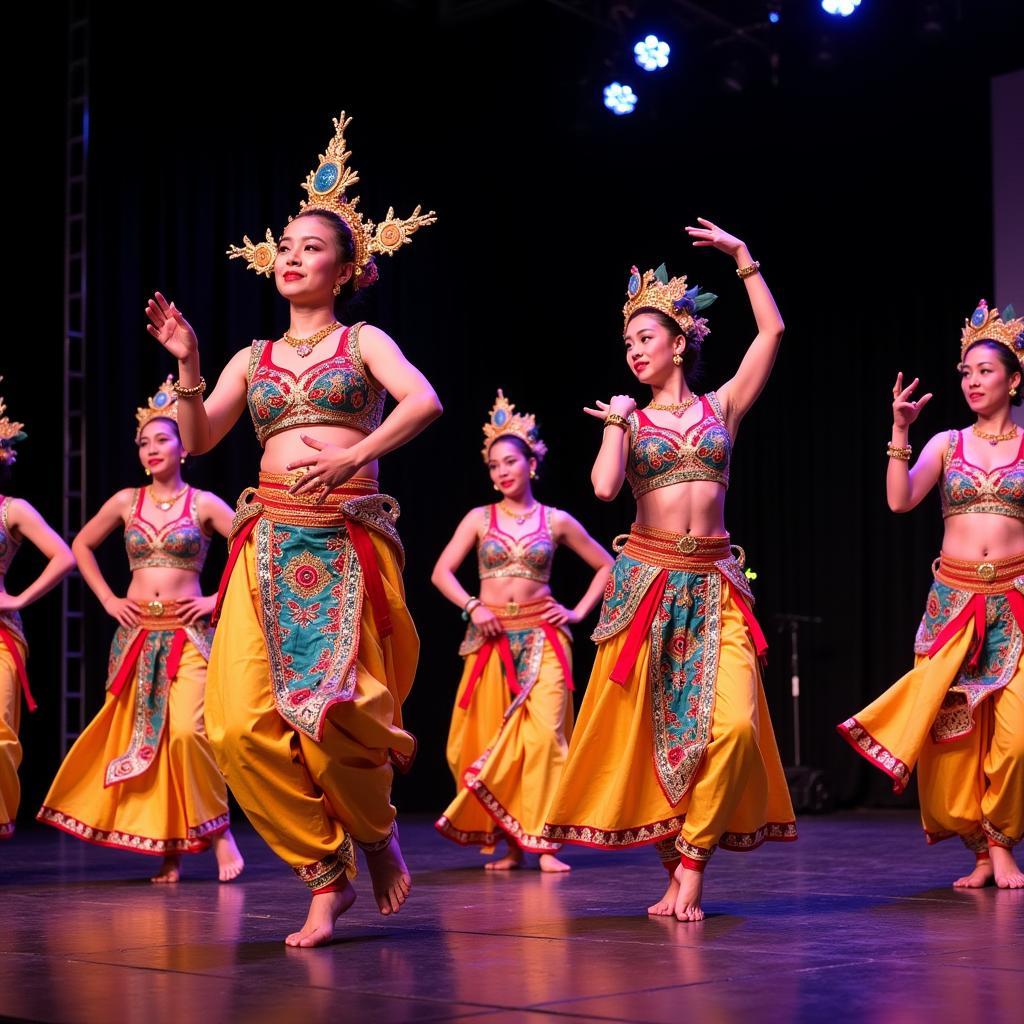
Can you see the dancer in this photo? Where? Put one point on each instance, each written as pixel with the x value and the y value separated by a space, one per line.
pixel 315 649
pixel 19 521
pixel 674 744
pixel 513 710
pixel 959 713
pixel 142 775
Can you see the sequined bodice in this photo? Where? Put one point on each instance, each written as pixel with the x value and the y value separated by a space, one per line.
pixel 8 545
pixel 529 556
pixel 660 456
pixel 966 487
pixel 336 391
pixel 179 544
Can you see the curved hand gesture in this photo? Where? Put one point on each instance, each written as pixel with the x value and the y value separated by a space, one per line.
pixel 622 405
pixel 905 411
pixel 712 235
pixel 170 328
pixel 329 469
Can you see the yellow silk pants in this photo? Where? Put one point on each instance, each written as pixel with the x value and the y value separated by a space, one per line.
pixel 10 747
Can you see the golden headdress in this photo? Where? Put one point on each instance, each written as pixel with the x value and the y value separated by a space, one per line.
pixel 987 325
pixel 11 433
pixel 505 422
pixel 327 188
pixel 163 406
pixel 654 290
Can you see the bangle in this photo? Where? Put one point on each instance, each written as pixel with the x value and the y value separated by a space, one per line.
pixel 902 453
pixel 613 419
pixel 193 392
pixel 744 272
pixel 467 611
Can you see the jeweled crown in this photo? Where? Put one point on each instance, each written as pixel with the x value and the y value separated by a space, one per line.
pixel 986 324
pixel 11 433
pixel 504 421
pixel 163 405
pixel 327 188
pixel 654 290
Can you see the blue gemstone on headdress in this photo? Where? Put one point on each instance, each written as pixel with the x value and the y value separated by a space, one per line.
pixel 499 418
pixel 326 177
pixel 1018 342
pixel 685 303
pixel 532 434
pixel 978 316
pixel 160 399
pixel 633 287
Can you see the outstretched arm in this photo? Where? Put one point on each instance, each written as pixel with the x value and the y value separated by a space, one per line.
pixel 739 394
pixel 25 521
pixel 202 424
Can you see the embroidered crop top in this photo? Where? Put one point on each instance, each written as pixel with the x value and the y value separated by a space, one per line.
pixel 179 544
pixel 530 556
pixel 8 544
pixel 966 487
pixel 336 391
pixel 660 456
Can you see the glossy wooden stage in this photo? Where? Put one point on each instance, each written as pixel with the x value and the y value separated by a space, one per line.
pixel 854 922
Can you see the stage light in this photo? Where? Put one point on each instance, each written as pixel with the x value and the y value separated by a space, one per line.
pixel 840 8
pixel 619 99
pixel 774 17
pixel 652 53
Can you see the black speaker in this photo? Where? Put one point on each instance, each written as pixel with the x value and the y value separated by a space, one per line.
pixel 809 790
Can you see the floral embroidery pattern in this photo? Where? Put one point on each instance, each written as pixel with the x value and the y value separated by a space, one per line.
pixel 330 868
pixel 629 582
pixel 196 840
pixel 868 747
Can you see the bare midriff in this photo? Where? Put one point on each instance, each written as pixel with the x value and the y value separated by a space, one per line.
pixel 163 584
pixel 505 590
pixel 696 507
pixel 976 536
pixel 287 447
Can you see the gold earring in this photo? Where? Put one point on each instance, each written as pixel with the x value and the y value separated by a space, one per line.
pixel 1013 392
pixel 149 472
pixel 677 359
pixel 337 289
pixel 533 474
pixel 496 487
pixel 183 459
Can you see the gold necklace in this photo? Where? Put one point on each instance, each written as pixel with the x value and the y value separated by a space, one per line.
pixel 676 408
pixel 994 439
pixel 519 517
pixel 303 346
pixel 165 504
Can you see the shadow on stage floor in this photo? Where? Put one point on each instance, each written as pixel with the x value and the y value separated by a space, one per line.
pixel 856 921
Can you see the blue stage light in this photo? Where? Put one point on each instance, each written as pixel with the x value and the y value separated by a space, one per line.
pixel 619 99
pixel 652 53
pixel 774 17
pixel 840 8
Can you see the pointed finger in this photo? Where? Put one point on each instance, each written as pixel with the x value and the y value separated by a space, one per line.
pixel 162 303
pixel 312 442
pixel 705 222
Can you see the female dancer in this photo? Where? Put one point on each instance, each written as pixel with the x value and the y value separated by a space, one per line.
pixel 513 713
pixel 674 743
pixel 959 712
pixel 18 520
pixel 142 775
pixel 315 650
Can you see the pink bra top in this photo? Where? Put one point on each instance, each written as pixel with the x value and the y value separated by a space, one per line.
pixel 530 556
pixel 179 544
pixel 966 487
pixel 336 391
pixel 8 545
pixel 660 456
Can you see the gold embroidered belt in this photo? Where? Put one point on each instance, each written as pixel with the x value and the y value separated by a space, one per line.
pixel 154 617
pixel 995 576
pixel 677 551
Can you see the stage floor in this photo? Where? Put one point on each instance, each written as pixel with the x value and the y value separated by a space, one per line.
pixel 855 921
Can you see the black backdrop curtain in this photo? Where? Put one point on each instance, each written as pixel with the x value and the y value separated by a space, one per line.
pixel 865 194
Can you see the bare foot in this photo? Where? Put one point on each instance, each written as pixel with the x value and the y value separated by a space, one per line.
pixel 390 877
pixel 324 909
pixel 1007 874
pixel 170 870
pixel 978 878
pixel 691 885
pixel 510 862
pixel 229 860
pixel 666 906
pixel 550 863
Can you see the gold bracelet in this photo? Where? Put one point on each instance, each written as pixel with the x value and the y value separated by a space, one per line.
pixel 613 419
pixel 902 453
pixel 193 392
pixel 744 272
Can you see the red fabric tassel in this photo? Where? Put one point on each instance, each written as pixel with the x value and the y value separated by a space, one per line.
pixel 505 652
pixel 128 663
pixel 174 655
pixel 639 628
pixel 19 667
pixel 553 638
pixel 236 549
pixel 756 633
pixel 372 580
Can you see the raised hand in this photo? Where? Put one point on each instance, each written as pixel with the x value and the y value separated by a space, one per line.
pixel 170 328
pixel 714 236
pixel 905 410
pixel 622 405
